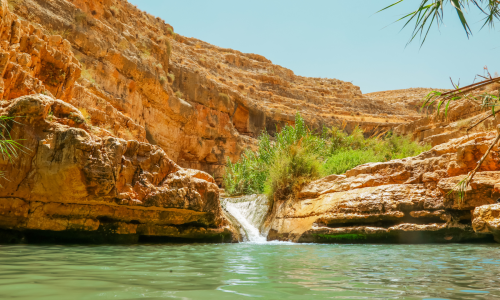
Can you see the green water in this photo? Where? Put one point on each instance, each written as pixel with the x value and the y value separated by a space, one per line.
pixel 242 271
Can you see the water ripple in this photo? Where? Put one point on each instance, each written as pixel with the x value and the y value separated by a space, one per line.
pixel 241 271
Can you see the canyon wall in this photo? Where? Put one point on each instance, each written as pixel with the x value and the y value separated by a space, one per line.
pixel 74 179
pixel 200 103
pixel 411 200
pixel 69 185
pixel 111 105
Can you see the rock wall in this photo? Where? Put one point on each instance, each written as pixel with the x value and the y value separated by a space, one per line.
pixel 460 116
pixel 75 178
pixel 138 103
pixel 70 185
pixel 200 103
pixel 405 201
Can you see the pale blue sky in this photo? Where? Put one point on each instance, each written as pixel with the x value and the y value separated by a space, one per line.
pixel 338 39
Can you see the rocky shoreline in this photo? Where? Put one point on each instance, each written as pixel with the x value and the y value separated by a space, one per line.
pixel 405 201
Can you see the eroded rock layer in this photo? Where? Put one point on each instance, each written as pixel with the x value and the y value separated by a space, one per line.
pixel 68 184
pixel 200 103
pixel 408 201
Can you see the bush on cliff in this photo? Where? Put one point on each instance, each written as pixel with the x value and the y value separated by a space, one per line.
pixel 290 171
pixel 280 168
pixel 256 170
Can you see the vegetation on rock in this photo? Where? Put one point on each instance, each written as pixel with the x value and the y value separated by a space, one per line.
pixel 8 147
pixel 297 156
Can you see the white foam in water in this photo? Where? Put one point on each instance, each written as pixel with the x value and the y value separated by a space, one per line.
pixel 242 216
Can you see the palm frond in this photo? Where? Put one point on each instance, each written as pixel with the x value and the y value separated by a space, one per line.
pixel 9 148
pixel 431 12
pixel 488 100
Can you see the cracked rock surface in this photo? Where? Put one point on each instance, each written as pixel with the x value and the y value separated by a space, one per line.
pixel 68 183
pixel 405 201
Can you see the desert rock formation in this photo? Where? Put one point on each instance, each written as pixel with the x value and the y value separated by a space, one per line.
pixel 69 184
pixel 458 121
pixel 405 201
pixel 76 178
pixel 112 105
pixel 200 103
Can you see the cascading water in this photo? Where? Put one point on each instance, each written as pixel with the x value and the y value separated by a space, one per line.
pixel 250 212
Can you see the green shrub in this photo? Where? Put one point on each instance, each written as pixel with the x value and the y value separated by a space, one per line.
pixel 293 159
pixel 179 94
pixel 8 147
pixel 349 151
pixel 347 159
pixel 280 168
pixel 171 77
pixel 290 171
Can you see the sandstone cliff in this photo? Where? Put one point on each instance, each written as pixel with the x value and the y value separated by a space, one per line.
pixel 76 179
pixel 200 103
pixel 138 103
pixel 68 184
pixel 459 120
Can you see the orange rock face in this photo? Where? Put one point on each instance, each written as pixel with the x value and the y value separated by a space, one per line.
pixel 405 200
pixel 487 220
pixel 200 103
pixel 139 103
pixel 32 62
pixel 72 185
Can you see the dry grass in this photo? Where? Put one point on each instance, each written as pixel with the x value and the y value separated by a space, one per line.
pixel 85 113
pixel 114 10
pixel 87 73
pixel 123 45
pixel 224 97
pixel 63 33
pixel 82 18
pixel 171 77
pixel 179 94
pixel 169 47
pixel 13 4
pixel 463 123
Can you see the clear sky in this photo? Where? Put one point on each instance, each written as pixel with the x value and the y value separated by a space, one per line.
pixel 338 39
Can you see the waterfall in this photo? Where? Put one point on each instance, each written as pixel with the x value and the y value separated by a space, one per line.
pixel 250 212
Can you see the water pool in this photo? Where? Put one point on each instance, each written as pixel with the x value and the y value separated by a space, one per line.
pixel 250 270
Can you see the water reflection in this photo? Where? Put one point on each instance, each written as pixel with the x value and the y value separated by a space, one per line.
pixel 268 271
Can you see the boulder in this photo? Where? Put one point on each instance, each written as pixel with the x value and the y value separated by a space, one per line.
pixel 70 185
pixel 410 200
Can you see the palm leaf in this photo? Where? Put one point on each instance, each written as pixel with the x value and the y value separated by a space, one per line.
pixel 431 12
pixel 8 147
